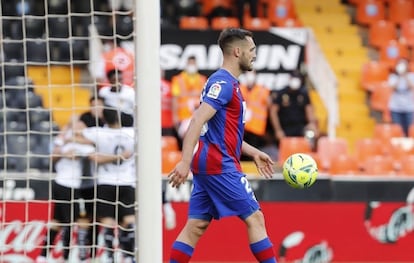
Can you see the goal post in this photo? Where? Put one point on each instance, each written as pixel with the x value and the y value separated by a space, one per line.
pixel 45 50
pixel 149 234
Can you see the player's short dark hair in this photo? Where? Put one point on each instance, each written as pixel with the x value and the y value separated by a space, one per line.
pixel 230 35
pixel 111 115
pixel 113 72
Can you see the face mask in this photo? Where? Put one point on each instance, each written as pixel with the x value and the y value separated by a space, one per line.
pixel 401 68
pixel 250 78
pixel 295 83
pixel 191 69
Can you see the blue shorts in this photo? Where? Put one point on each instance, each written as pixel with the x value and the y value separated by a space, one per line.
pixel 217 196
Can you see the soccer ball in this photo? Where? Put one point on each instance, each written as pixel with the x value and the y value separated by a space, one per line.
pixel 300 170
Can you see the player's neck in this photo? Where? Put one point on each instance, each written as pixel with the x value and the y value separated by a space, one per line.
pixel 232 69
pixel 115 126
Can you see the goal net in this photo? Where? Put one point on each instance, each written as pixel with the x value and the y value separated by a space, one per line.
pixel 55 60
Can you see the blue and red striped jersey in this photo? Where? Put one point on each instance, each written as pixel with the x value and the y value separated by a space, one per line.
pixel 219 146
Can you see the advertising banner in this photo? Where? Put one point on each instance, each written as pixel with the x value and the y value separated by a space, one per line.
pixel 314 232
pixel 279 51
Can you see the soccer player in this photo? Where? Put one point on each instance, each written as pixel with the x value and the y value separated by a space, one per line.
pixel 72 192
pixel 120 96
pixel 220 187
pixel 115 180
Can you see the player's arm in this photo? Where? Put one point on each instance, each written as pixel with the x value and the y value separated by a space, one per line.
pixel 101 158
pixel 200 117
pixel 262 160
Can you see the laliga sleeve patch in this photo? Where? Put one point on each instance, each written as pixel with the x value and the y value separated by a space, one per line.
pixel 214 91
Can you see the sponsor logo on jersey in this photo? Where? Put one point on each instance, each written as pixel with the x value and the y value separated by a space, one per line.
pixel 214 91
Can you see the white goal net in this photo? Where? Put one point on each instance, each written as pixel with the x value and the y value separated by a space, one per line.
pixel 68 174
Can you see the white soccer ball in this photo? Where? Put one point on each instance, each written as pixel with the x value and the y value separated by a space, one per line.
pixel 300 170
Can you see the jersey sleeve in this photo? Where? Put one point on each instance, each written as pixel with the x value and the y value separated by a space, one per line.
pixel 217 93
pixel 90 134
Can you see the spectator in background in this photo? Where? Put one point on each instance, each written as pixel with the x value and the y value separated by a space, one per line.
pixel 93 117
pixel 186 90
pixel 401 103
pixel 241 4
pixel 291 111
pixel 257 102
pixel 115 57
pixel 119 96
pixel 167 122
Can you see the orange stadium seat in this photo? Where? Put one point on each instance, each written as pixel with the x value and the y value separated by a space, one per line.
pixel 193 22
pixel 327 148
pixel 365 148
pixel 400 10
pixel 220 23
pixel 256 23
pixel 280 10
pixel 290 145
pixel 411 131
pixel 379 99
pixel 407 165
pixel 374 73
pixel 381 32
pixel 369 11
pixel 207 6
pixel 169 143
pixel 407 31
pixel 169 160
pixel 291 22
pixel 386 131
pixel 391 52
pixel 343 164
pixel 379 165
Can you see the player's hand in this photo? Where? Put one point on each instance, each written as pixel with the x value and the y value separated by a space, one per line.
pixel 264 165
pixel 179 175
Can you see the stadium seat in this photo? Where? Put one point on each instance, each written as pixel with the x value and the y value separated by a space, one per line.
pixel 35 27
pixel 169 160
pixel 381 32
pixel 290 145
pixel 12 50
pixel 400 10
pixel 369 11
pixel 58 27
pixel 36 51
pixel 407 32
pixel 343 164
pixel 379 165
pixel 194 22
pixel 386 131
pixel 327 148
pixel 379 99
pixel 279 11
pixel 220 23
pixel 407 165
pixel 391 52
pixel 124 26
pixel 169 143
pixel 256 23
pixel 365 148
pixel 209 6
pixel 57 7
pixel 373 74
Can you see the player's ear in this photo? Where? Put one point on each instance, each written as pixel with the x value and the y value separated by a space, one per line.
pixel 237 51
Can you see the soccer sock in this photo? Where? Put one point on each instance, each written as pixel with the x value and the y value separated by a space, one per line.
pixel 109 239
pixel 83 242
pixel 49 241
pixel 127 239
pixel 263 251
pixel 181 252
pixel 66 236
